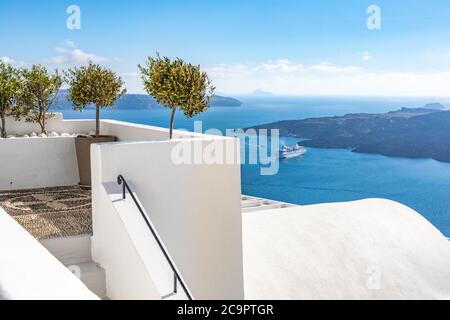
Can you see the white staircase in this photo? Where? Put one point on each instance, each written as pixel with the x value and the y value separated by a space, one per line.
pixel 144 241
pixel 75 253
pixel 251 204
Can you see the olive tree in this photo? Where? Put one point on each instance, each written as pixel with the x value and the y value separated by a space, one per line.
pixel 9 90
pixel 39 92
pixel 94 84
pixel 177 84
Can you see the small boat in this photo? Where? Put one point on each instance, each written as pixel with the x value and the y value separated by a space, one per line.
pixel 289 153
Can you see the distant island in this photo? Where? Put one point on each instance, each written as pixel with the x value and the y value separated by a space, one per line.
pixel 409 132
pixel 141 102
pixel 435 106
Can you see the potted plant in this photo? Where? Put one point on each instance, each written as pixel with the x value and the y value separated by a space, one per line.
pixel 177 84
pixel 9 90
pixel 97 85
pixel 39 90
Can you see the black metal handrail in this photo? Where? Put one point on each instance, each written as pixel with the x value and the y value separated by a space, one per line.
pixel 121 181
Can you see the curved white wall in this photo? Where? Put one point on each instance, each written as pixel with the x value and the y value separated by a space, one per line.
pixel 368 249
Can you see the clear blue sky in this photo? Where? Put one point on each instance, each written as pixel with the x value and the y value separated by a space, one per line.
pixel 287 47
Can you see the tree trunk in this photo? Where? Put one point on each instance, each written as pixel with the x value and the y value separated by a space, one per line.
pixel 171 121
pixel 42 123
pixel 97 121
pixel 3 129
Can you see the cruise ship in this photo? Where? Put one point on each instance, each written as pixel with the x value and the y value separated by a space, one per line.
pixel 289 153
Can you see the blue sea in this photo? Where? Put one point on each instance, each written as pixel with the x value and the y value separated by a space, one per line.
pixel 322 175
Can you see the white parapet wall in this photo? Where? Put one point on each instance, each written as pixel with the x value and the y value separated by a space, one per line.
pixel 54 123
pixel 194 207
pixel 37 162
pixel 125 131
pixel 40 162
pixel 51 162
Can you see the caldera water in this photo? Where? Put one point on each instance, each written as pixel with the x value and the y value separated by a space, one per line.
pixel 321 175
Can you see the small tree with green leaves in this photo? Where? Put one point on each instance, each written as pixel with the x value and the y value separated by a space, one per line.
pixel 9 91
pixel 39 92
pixel 177 84
pixel 94 84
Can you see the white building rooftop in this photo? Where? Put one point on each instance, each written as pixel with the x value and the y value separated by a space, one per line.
pixel 368 249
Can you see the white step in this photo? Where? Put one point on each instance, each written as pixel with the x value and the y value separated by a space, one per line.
pixel 75 253
pixel 93 276
pixel 144 242
pixel 251 204
pixel 70 250
pixel 265 207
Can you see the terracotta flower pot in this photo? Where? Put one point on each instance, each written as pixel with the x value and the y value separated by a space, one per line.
pixel 83 148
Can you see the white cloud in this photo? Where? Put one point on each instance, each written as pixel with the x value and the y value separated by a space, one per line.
pixel 328 67
pixel 277 67
pixel 7 60
pixel 71 54
pixel 69 43
pixel 281 65
pixel 12 62
pixel 328 79
pixel 239 70
pixel 227 70
pixel 366 56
